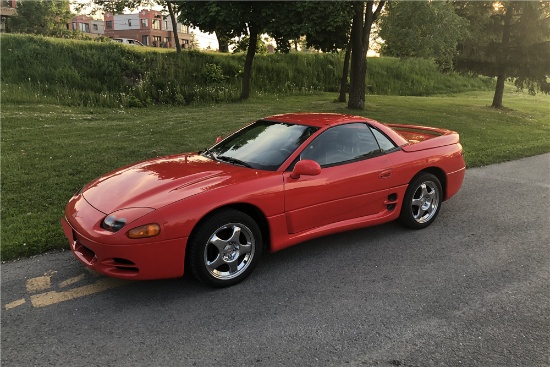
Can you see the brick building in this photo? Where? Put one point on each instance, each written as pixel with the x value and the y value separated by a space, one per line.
pixel 149 27
pixel 7 10
pixel 90 26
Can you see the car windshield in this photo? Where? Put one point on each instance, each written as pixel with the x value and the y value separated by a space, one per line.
pixel 262 145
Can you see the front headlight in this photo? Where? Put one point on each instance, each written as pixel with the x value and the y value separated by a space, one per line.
pixel 115 221
pixel 112 223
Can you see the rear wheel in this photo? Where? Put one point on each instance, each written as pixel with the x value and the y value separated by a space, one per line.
pixel 225 248
pixel 422 201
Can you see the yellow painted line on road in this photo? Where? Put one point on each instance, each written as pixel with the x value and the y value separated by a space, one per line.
pixel 50 298
pixel 14 304
pixel 39 283
pixel 72 280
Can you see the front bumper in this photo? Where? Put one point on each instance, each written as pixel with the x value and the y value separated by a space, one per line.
pixel 142 260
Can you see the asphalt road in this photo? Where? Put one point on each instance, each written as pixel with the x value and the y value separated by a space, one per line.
pixel 470 290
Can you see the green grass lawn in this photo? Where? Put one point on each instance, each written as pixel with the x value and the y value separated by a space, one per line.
pixel 48 152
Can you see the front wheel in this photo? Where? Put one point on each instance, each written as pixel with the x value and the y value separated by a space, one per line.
pixel 225 248
pixel 422 201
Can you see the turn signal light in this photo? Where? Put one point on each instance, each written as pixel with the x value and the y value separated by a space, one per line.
pixel 148 230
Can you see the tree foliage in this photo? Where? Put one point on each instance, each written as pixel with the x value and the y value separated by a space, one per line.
pixel 428 29
pixel 241 45
pixel 42 17
pixel 508 40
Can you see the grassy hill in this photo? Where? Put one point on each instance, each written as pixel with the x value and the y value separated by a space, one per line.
pixel 87 73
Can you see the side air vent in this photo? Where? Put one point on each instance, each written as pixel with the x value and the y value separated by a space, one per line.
pixel 391 202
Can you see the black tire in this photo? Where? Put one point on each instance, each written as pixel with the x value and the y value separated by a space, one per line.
pixel 422 201
pixel 225 248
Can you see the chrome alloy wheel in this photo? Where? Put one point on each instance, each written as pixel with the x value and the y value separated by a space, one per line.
pixel 425 202
pixel 229 251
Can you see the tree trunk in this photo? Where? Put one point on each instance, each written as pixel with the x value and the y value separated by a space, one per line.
pixel 357 79
pixel 247 72
pixel 360 38
pixel 174 26
pixel 345 74
pixel 499 91
pixel 503 58
pixel 223 42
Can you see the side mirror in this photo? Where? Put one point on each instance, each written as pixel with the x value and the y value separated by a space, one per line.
pixel 307 167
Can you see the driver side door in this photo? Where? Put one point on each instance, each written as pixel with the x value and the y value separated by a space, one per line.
pixel 353 182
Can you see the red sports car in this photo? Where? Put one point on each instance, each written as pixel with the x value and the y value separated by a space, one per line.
pixel 278 181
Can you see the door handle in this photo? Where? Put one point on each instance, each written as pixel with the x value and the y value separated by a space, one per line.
pixel 385 174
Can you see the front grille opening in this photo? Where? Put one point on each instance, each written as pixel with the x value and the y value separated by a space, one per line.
pixel 85 252
pixel 123 261
pixel 124 265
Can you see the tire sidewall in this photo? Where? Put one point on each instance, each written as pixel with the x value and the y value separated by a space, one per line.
pixel 205 229
pixel 406 217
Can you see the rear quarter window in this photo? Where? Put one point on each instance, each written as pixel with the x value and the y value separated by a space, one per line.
pixel 385 143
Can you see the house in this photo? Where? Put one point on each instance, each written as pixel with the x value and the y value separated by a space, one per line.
pixel 7 10
pixel 149 27
pixel 90 26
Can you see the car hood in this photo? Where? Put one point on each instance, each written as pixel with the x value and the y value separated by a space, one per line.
pixel 161 181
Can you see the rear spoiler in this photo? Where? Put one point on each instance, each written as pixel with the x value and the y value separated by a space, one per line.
pixel 423 137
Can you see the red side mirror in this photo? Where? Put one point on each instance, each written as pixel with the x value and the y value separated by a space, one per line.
pixel 307 167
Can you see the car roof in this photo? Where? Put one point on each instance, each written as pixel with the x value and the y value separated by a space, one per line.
pixel 317 119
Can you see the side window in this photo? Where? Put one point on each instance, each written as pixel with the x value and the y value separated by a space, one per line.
pixel 340 144
pixel 384 142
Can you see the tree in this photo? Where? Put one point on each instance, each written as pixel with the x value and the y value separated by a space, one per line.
pixel 365 14
pixel 326 26
pixel 428 29
pixel 328 30
pixel 43 17
pixel 508 40
pixel 210 17
pixel 236 19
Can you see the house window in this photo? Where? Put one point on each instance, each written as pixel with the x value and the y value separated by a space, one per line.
pixel 156 24
pixel 129 22
pixel 85 27
pixel 183 28
pixel 156 41
pixel 74 26
pixel 165 24
pixel 144 23
pixel 145 40
pixel 94 27
pixel 109 24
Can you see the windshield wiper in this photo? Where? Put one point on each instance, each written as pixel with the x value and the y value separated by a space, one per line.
pixel 208 153
pixel 234 161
